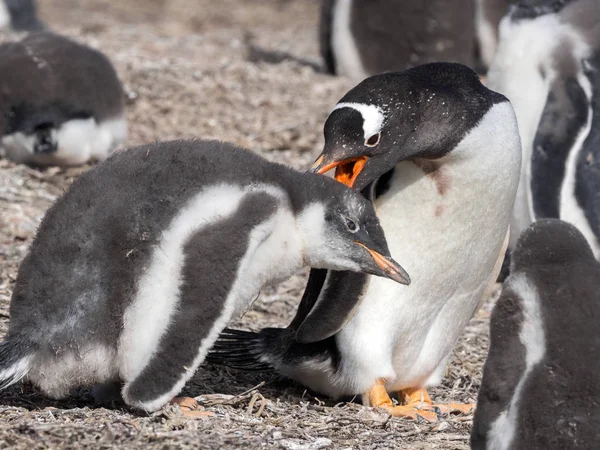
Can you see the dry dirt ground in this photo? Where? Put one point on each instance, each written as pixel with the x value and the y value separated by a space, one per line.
pixel 197 68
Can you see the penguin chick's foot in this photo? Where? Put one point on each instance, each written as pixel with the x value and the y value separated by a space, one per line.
pixel 419 397
pixel 415 404
pixel 189 408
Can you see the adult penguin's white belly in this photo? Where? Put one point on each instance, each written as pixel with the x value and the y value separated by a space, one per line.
pixel 447 220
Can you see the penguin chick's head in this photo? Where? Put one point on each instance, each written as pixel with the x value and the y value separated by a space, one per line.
pixel 422 112
pixel 550 241
pixel 341 232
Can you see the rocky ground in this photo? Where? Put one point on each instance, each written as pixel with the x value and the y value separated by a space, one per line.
pixel 205 68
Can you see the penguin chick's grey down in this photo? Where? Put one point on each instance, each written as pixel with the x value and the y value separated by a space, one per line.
pixel 540 380
pixel 61 103
pixel 134 286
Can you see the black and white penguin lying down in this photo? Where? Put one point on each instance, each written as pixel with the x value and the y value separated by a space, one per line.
pixel 61 103
pixel 134 286
pixel 540 385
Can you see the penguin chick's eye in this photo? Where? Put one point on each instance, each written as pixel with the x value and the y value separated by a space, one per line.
pixel 351 225
pixel 373 140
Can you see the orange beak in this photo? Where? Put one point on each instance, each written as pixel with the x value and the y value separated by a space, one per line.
pixel 389 267
pixel 346 171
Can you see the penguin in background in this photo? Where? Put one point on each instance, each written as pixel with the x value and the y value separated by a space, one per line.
pixel 19 15
pixel 488 14
pixel 440 156
pixel 128 291
pixel 61 102
pixel 547 63
pixel 540 380
pixel 360 38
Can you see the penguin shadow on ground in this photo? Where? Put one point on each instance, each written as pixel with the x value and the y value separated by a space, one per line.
pixel 209 380
pixel 220 380
pixel 212 379
pixel 25 395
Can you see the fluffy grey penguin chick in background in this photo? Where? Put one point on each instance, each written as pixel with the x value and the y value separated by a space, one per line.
pixel 19 15
pixel 61 103
pixel 540 380
pixel 135 286
pixel 548 65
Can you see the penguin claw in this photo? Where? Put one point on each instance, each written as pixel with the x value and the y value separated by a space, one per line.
pixel 189 408
pixel 419 398
pixel 449 408
pixel 185 402
pixel 197 414
pixel 411 412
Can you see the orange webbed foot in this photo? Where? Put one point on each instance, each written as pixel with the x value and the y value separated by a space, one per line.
pixel 420 398
pixel 189 408
pixel 379 398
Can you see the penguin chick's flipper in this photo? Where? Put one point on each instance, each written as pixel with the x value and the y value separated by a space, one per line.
pixel 15 358
pixel 45 140
pixel 205 304
pixel 414 404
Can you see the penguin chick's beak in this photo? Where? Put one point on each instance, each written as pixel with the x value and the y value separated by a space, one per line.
pixel 346 170
pixel 389 268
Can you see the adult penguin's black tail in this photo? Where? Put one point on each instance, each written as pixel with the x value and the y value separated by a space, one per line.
pixel 246 350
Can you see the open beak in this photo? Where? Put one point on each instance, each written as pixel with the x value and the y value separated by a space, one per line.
pixel 346 171
pixel 390 268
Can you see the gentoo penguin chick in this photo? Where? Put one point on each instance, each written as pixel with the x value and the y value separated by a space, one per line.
pixel 19 15
pixel 359 38
pixel 540 380
pixel 134 286
pixel 547 64
pixel 61 102
pixel 441 155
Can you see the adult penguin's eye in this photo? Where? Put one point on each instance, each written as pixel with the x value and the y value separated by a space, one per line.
pixel 373 140
pixel 351 225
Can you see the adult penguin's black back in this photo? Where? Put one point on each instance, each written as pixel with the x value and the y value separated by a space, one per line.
pixel 540 381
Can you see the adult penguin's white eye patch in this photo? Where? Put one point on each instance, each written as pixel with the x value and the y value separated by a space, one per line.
pixel 373 117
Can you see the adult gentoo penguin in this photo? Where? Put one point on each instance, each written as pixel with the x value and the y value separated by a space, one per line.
pixel 359 38
pixel 540 380
pixel 547 65
pixel 19 15
pixel 135 285
pixel 61 103
pixel 443 153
